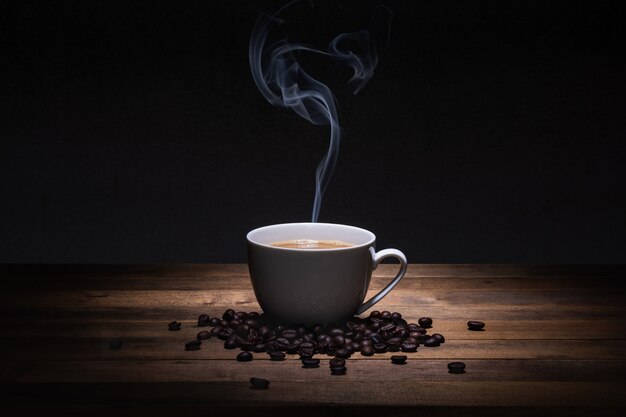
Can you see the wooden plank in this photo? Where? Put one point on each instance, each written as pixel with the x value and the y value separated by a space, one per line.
pixel 171 347
pixel 398 297
pixel 304 394
pixel 227 282
pixel 461 313
pixel 207 270
pixel 452 329
pixel 380 370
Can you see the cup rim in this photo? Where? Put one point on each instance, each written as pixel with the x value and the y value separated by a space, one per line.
pixel 370 242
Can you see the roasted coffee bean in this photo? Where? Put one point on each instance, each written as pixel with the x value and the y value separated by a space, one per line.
pixel 277 356
pixel 323 338
pixel 475 325
pixel 339 340
pixel 301 331
pixel 374 326
pixel 229 315
pixel 244 357
pixel 398 359
pixel 203 335
pixel 423 338
pixel 193 345
pixel 306 349
pixel 375 313
pixel 281 343
pixel 412 327
pixel 415 334
pixel 335 331
pixel 456 367
pixel 439 337
pixel 174 325
pixel 259 383
pixel 385 315
pixel 343 353
pixel 224 333
pixel 367 351
pixel 401 333
pixel 233 324
pixel 223 323
pixel 337 362
pixel 338 370
pixel 246 345
pixel 367 333
pixel 388 327
pixel 408 347
pixel 366 342
pixel 290 334
pixel 396 316
pixel 252 323
pixel 215 331
pixel 264 332
pixel 115 344
pixel 253 315
pixel 355 346
pixel 401 322
pixel 259 347
pixel 231 343
pixel 292 349
pixel 310 363
pixel 412 340
pixel 425 322
pixel 380 347
pixel 431 342
pixel 421 330
pixel 214 321
pixel 203 320
pixel 393 348
pixel 376 338
pixel 394 341
pixel 242 315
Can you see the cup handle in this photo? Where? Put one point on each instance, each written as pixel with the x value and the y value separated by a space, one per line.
pixel 376 258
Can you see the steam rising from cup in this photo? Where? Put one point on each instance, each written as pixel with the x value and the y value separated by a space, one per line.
pixel 284 83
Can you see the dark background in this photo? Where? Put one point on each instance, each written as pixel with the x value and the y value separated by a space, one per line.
pixel 491 132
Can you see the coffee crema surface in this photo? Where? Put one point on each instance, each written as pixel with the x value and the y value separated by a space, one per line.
pixel 312 244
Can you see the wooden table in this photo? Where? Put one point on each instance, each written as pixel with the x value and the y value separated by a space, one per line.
pixel 554 344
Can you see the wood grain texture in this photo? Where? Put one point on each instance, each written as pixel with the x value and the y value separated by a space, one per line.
pixel 554 344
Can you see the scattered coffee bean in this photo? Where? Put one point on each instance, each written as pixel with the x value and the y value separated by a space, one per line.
pixel 439 337
pixel 456 367
pixel 338 370
pixel 431 342
pixel 214 321
pixel 277 356
pixel 244 357
pixel 175 325
pixel 115 344
pixel 425 322
pixel 193 345
pixel 398 359
pixel 334 362
pixel 475 325
pixel 203 320
pixel 408 347
pixel 203 335
pixel 310 363
pixel 259 383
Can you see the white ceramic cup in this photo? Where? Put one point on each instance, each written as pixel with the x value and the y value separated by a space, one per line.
pixel 315 286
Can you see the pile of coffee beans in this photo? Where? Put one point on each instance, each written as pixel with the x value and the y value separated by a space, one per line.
pixel 380 332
